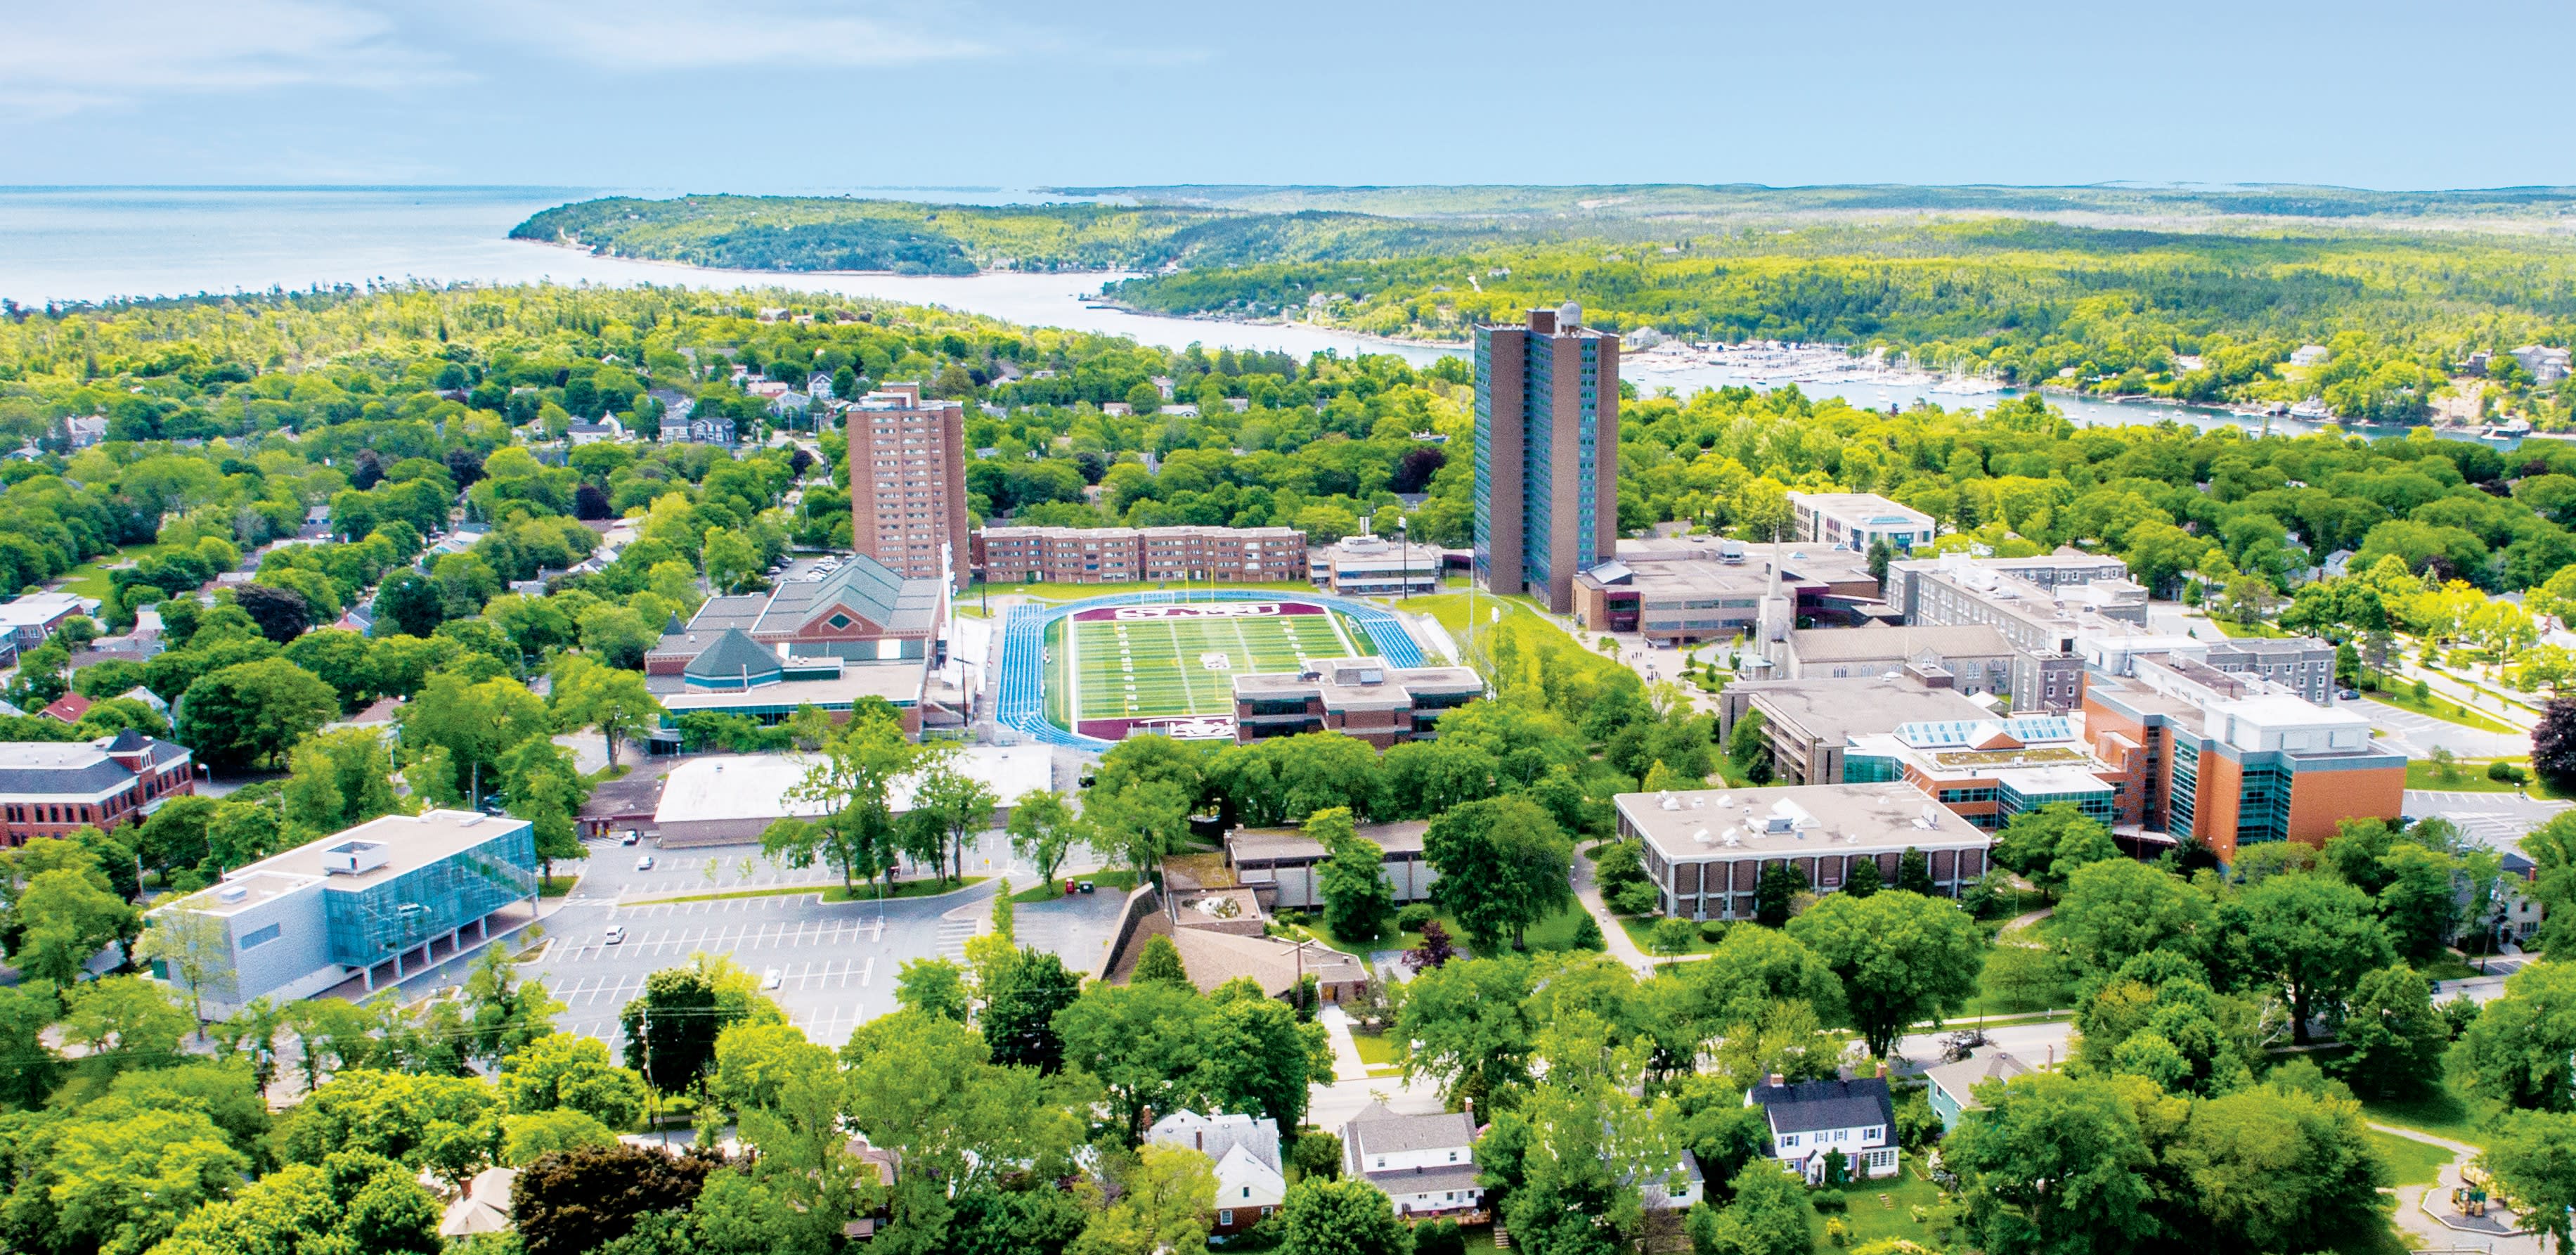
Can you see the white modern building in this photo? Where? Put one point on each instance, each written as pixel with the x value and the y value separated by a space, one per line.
pixel 1373 566
pixel 381 900
pixel 730 798
pixel 1857 520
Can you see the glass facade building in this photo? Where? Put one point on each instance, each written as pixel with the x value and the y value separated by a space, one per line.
pixel 369 924
pixel 1546 454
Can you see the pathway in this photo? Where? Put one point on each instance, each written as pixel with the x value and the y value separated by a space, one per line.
pixel 1612 935
pixel 2025 920
pixel 1347 1063
pixel 2423 1209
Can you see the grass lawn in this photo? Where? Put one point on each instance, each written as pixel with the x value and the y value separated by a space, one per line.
pixel 1150 667
pixel 557 886
pixel 90 578
pixel 1641 928
pixel 2448 965
pixel 1871 1221
pixel 2471 776
pixel 1377 1049
pixel 1102 881
pixel 2402 696
pixel 2258 630
pixel 2444 1113
pixel 2413 1162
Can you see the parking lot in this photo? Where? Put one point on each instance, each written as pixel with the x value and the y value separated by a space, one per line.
pixel 2419 735
pixel 835 964
pixel 2495 820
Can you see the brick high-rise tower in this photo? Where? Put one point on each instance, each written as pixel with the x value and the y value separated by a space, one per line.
pixel 908 483
pixel 1547 454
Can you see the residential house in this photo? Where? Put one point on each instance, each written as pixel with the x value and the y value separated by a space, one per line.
pixel 29 620
pixel 484 1207
pixel 67 708
pixel 85 430
pixel 1249 1182
pixel 1425 1163
pixel 584 431
pixel 1811 1120
pixel 1954 1084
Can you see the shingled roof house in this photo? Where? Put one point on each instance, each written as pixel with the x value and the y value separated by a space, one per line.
pixel 1812 1119
pixel 1426 1163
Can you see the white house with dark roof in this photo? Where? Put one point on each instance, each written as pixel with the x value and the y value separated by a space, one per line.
pixel 1426 1164
pixel 1812 1119
pixel 1249 1182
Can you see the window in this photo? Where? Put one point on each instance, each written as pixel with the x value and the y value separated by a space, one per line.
pixel 1786 1139
pixel 1225 1216
pixel 259 936
pixel 1453 1156
pixel 1381 1161
pixel 1247 1191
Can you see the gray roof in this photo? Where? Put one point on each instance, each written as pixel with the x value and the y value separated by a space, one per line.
pixel 862 586
pixel 1810 1105
pixel 77 768
pixel 735 656
pixel 1869 644
pixel 1435 1179
pixel 1834 709
pixel 1379 1131
pixel 1960 1080
pixel 1266 844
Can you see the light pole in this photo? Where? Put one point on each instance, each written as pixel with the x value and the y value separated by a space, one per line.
pixel 1403 559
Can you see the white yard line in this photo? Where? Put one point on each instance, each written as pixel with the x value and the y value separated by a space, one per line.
pixel 1349 648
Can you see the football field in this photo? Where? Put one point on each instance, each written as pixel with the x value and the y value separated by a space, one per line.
pixel 1141 664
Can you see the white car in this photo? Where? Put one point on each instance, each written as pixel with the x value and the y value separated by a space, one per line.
pixel 616 933
pixel 769 979
pixel 644 864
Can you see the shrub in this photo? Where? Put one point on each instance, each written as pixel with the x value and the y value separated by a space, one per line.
pixel 1587 935
pixel 1828 1200
pixel 1712 931
pixel 1439 1237
pixel 1412 918
pixel 1635 898
pixel 2507 773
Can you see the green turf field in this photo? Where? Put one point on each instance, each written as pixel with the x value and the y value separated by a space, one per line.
pixel 1153 668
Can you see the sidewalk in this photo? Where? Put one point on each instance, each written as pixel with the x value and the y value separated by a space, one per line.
pixel 1613 936
pixel 2424 1210
pixel 1347 1064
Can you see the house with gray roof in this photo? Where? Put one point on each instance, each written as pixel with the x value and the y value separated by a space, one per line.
pixel 1250 1185
pixel 1425 1163
pixel 1810 1120
pixel 1954 1085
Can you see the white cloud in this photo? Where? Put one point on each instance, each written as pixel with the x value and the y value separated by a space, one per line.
pixel 61 58
pixel 821 35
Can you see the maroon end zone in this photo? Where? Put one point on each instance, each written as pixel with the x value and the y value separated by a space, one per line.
pixel 1178 727
pixel 1200 610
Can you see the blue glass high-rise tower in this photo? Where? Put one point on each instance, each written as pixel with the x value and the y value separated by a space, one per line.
pixel 1547 454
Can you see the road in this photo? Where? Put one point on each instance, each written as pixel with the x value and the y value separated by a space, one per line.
pixel 2419 735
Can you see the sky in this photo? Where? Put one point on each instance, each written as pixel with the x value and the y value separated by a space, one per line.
pixel 791 95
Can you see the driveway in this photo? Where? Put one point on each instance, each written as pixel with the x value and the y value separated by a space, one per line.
pixel 2418 735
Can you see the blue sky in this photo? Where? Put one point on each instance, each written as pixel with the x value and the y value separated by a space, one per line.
pixel 785 95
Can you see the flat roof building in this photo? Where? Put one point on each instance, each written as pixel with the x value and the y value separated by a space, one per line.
pixel 1671 603
pixel 2044 607
pixel 389 896
pixel 1809 725
pixel 1115 555
pixel 1278 864
pixel 731 798
pixel 1706 849
pixel 1547 454
pixel 1360 697
pixel 1972 659
pixel 1857 520
pixel 2229 760
pixel 1373 566
pixel 1989 769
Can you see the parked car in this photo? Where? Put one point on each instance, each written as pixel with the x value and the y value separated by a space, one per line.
pixel 1088 887
pixel 632 836
pixel 769 979
pixel 616 933
pixel 644 864
pixel 2350 695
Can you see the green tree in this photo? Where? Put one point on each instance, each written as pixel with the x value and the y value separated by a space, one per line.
pixel 1261 1057
pixel 1467 1026
pixel 2518 1051
pixel 2313 937
pixel 1503 865
pixel 588 695
pixel 1775 894
pixel 1020 1006
pixel 1043 829
pixel 1767 1215
pixel 1322 1216
pixel 849 782
pixel 252 712
pixel 1901 957
pixel 1863 879
pixel 2046 845
pixel 956 804
pixel 339 780
pixel 476 723
pixel 196 950
pixel 590 1196
pixel 2397 1038
pixel 1145 1042
pixel 560 1071
pixel 671 1028
pixel 2271 1169
pixel 1159 963
pixel 1166 1201
pixel 2533 1156
pixel 2053 1164
pixel 65 917
pixel 2117 909
pixel 1358 900
pixel 352 1202
pixel 933 986
pixel 117 1177
pixel 1139 822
